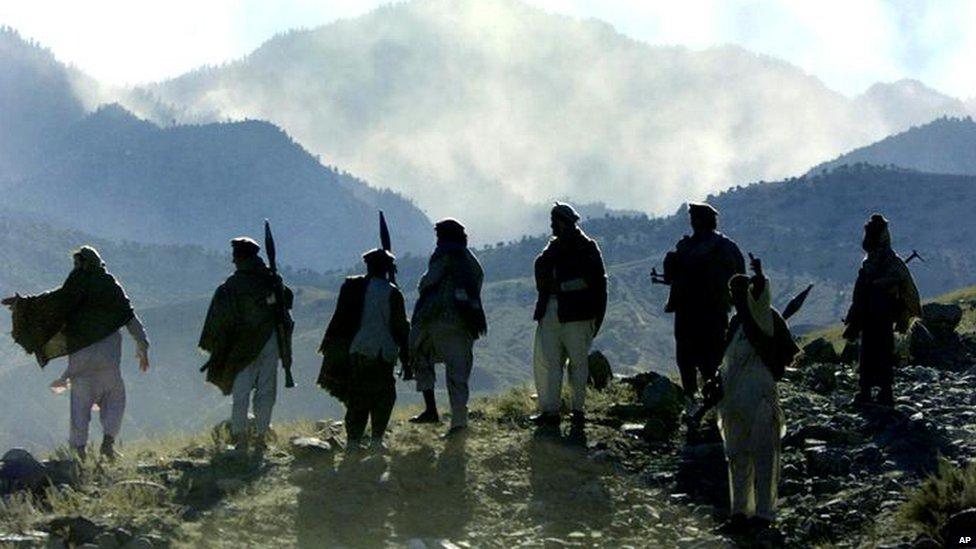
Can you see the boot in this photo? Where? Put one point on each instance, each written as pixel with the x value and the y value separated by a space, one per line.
pixel 544 419
pixel 108 448
pixel 577 418
pixel 427 416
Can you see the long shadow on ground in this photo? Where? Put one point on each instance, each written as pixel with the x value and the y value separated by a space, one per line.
pixel 371 501
pixel 568 493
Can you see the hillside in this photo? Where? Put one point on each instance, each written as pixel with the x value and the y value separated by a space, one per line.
pixel 945 145
pixel 116 176
pixel 495 102
pixel 850 477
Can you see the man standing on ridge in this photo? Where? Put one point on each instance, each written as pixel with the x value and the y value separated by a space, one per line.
pixel 82 319
pixel 447 319
pixel 239 333
pixel 571 282
pixel 367 333
pixel 698 271
pixel 885 299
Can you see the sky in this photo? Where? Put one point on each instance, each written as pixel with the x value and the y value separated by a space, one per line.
pixel 849 44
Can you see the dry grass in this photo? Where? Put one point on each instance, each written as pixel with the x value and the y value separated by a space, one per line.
pixel 950 490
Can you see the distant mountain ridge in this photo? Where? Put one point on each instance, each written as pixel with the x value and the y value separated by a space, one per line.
pixel 485 108
pixel 945 145
pixel 112 174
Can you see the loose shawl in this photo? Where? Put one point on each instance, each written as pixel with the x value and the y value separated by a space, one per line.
pixel 87 308
pixel 885 292
pixel 239 322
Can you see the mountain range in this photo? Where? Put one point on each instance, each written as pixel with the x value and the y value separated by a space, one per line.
pixel 488 110
pixel 114 175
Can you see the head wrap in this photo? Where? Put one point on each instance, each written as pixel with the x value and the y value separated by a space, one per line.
pixel 876 234
pixel 565 212
pixel 702 209
pixel 244 246
pixel 379 257
pixel 451 230
pixel 88 258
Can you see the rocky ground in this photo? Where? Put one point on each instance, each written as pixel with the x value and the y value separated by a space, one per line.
pixel 632 477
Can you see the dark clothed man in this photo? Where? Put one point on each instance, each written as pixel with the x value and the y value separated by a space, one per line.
pixel 885 299
pixel 239 334
pixel 447 319
pixel 82 319
pixel 571 283
pixel 699 270
pixel 367 333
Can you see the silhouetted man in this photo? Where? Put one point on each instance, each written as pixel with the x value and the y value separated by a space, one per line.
pixel 367 333
pixel 82 319
pixel 239 334
pixel 571 282
pixel 447 319
pixel 885 299
pixel 699 270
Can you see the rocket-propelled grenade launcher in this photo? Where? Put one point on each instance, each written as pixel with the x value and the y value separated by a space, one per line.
pixel 284 325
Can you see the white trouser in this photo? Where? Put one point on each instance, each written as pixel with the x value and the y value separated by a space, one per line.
pixel 104 388
pixel 452 346
pixel 260 376
pixel 555 342
pixel 753 479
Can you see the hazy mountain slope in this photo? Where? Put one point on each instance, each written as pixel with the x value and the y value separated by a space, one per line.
pixel 35 113
pixel 114 175
pixel 946 145
pixel 906 103
pixel 117 176
pixel 474 108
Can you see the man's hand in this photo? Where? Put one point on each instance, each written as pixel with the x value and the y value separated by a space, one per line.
pixel 755 264
pixel 143 356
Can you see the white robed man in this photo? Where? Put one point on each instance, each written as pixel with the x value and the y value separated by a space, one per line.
pixel 750 418
pixel 82 319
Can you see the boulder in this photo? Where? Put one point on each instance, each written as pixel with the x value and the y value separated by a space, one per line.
pixel 310 447
pixel 662 397
pixel 941 319
pixel 821 350
pixel 822 461
pixel 628 412
pixel 822 378
pixel 959 525
pixel 74 530
pixel 19 470
pixel 600 371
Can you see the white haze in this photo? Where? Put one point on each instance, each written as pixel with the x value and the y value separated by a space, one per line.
pixel 481 108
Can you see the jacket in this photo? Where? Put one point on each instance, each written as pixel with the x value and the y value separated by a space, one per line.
pixel 336 374
pixel 571 269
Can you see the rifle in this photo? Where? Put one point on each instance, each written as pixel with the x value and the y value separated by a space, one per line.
pixel 386 244
pixel 283 322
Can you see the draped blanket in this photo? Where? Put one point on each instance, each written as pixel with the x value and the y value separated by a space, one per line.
pixel 87 308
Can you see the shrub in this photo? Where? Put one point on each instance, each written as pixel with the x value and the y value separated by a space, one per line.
pixel 950 490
